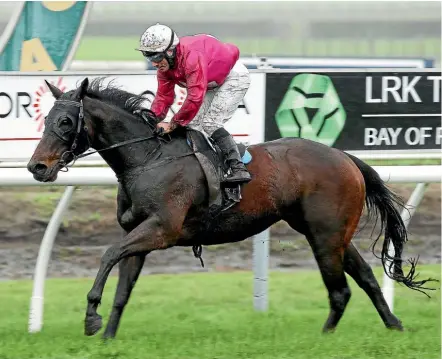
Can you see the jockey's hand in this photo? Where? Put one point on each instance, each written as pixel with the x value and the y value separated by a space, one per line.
pixel 166 127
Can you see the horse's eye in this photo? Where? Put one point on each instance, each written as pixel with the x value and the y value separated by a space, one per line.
pixel 65 124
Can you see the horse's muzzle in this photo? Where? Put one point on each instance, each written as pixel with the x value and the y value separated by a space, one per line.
pixel 42 172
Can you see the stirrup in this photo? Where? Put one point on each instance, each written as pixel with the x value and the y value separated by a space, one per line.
pixel 235 177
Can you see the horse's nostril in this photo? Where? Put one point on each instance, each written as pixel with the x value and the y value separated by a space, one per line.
pixel 40 168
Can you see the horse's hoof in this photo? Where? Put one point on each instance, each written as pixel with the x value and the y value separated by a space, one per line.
pixel 328 330
pixel 108 337
pixel 395 324
pixel 92 324
pixel 397 327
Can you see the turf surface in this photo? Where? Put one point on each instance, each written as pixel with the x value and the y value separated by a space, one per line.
pixel 210 315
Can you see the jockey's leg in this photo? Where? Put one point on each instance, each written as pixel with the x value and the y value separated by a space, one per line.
pixel 232 156
pixel 224 104
pixel 197 122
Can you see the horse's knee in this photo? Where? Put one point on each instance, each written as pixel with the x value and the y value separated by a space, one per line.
pixel 93 297
pixel 126 219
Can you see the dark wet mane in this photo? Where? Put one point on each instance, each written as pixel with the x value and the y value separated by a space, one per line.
pixel 115 96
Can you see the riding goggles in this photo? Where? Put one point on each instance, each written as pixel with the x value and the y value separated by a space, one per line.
pixel 154 56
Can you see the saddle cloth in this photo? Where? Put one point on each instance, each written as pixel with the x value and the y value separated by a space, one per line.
pixel 215 169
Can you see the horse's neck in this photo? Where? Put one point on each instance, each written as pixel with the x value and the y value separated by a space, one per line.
pixel 118 127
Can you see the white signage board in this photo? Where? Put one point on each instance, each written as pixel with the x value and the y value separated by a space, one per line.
pixel 25 100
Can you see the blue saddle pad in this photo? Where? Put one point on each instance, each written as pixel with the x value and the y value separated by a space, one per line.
pixel 247 157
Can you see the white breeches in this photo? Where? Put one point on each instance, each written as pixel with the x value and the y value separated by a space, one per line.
pixel 221 103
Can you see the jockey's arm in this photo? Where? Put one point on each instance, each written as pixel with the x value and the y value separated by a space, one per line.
pixel 164 97
pixel 196 81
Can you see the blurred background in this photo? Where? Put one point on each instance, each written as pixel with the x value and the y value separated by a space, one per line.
pixel 298 28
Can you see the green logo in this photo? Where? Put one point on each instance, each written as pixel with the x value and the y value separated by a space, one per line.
pixel 316 93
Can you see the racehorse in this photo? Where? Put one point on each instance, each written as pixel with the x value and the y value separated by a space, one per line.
pixel 163 197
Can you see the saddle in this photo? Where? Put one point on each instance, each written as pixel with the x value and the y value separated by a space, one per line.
pixel 222 195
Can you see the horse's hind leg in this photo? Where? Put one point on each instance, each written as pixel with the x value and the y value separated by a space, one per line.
pixel 329 257
pixel 328 236
pixel 129 270
pixel 361 272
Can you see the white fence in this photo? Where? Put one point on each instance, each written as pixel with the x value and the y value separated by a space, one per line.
pixel 78 176
pixel 262 62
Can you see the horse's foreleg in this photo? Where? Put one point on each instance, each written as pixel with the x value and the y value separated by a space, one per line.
pixel 129 270
pixel 146 237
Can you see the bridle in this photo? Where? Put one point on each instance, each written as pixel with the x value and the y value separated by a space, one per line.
pixel 81 131
pixel 78 147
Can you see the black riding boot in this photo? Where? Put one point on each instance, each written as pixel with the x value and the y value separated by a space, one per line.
pixel 231 155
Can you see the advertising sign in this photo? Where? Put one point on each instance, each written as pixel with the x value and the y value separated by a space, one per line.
pixel 25 100
pixel 357 110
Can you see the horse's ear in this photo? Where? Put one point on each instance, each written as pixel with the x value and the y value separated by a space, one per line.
pixel 81 91
pixel 56 92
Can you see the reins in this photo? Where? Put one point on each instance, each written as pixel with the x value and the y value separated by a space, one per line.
pixel 81 126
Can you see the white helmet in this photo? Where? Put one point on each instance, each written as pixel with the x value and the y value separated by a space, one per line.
pixel 158 38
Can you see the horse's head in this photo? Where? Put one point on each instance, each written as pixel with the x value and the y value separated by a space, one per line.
pixel 65 135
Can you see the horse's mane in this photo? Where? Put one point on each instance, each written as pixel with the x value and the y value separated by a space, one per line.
pixel 115 96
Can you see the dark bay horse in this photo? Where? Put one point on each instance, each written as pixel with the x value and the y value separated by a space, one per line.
pixel 162 198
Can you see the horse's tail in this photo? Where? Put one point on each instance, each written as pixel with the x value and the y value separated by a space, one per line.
pixel 381 201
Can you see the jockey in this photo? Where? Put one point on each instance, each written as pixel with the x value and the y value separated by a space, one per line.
pixel 216 83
